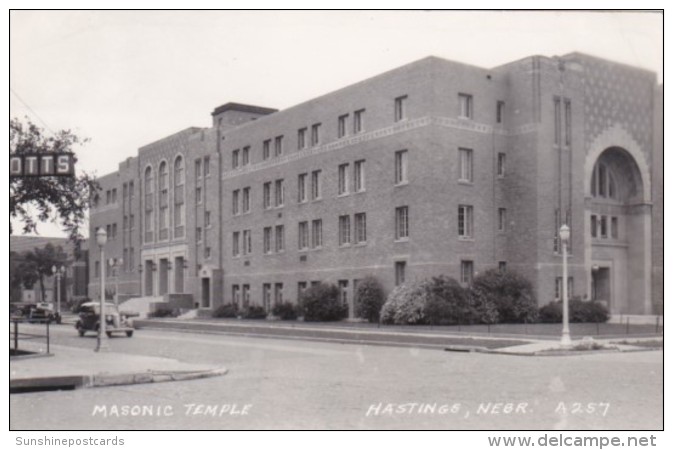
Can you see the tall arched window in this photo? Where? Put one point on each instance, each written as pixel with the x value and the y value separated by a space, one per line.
pixel 179 198
pixel 603 182
pixel 163 201
pixel 149 204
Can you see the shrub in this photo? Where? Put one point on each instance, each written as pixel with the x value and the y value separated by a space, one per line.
pixel 552 312
pixel 322 303
pixel 448 303
pixel 509 293
pixel 254 312
pixel 164 312
pixel 228 310
pixel 406 304
pixel 369 299
pixel 285 311
pixel 579 311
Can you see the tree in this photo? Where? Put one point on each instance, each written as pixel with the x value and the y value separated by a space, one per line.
pixel 67 198
pixel 37 265
pixel 369 298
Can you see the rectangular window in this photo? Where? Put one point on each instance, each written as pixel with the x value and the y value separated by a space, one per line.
pixel 342 129
pixel 568 123
pixel 246 200
pixel 266 149
pixel 502 160
pixel 206 166
pixel 278 294
pixel 234 159
pixel 343 179
pixel 465 157
pixel 465 106
pixel 267 240
pixel 266 296
pixel 502 266
pixel 280 193
pixel 301 139
pixel 400 272
pixel 114 195
pixel 278 145
pixel 199 234
pixel 401 169
pixel 465 221
pixel 558 290
pixel 315 134
pixel 557 121
pixel 301 187
pixel 344 230
pixel 343 292
pixel 360 228
pixel 502 219
pixel 359 176
pixel 500 112
pixel 402 223
pixel 358 121
pixel 197 168
pixel 466 272
pixel 400 108
pixel 266 191
pixel 207 219
pixel 235 202
pixel 301 288
pixel 126 223
pixel 236 295
pixel 614 228
pixel 316 233
pixel 199 195
pixel 280 238
pixel 131 190
pixel 132 221
pixel 303 235
pixel 315 185
pixel 604 227
pixel 125 190
pixel 236 244
pixel 594 226
pixel 247 242
pixel 245 156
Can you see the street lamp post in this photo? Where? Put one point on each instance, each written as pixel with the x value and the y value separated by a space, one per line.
pixel 101 343
pixel 564 234
pixel 116 264
pixel 58 274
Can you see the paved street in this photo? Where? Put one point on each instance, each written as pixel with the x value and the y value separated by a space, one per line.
pixel 279 384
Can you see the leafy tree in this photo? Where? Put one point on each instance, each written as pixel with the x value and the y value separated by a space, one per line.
pixel 37 264
pixel 369 298
pixel 509 292
pixel 67 198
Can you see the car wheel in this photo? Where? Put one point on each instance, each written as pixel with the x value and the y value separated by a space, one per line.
pixel 80 331
pixel 109 334
pixel 129 333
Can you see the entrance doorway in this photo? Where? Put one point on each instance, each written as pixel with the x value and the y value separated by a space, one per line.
pixel 600 285
pixel 205 292
pixel 179 275
pixel 149 278
pixel 163 276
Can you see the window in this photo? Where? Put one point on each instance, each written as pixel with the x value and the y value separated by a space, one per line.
pixel 245 156
pixel 266 193
pixel 301 139
pixel 568 120
pixel 126 222
pixel 402 223
pixel 401 158
pixel 400 272
pixel 594 226
pixel 301 288
pixel 358 121
pixel 465 160
pixel 316 233
pixel 465 221
pixel 502 159
pixel 125 190
pixel 266 149
pixel 199 195
pixel 502 219
pixel 280 193
pixel 235 244
pixel 466 272
pixel 163 201
pixel 247 242
pixel 114 230
pixel 614 228
pixel 465 106
pixel 131 260
pixel 246 200
pixel 179 198
pixel 315 185
pixel 502 266
pixel 266 297
pixel 278 294
pixel 303 236
pixel 557 121
pixel 206 166
pixel 500 112
pixel 343 292
pixel 114 195
pixel 558 290
pixel 315 134
pixel 280 238
pixel 207 219
pixel 199 234
pixel 344 230
pixel 342 129
pixel 604 227
pixel 343 179
pixel 602 182
pixel 360 228
pixel 234 159
pixel 359 176
pixel 267 240
pixel 236 295
pixel 132 221
pixel 400 108
pixel 301 188
pixel 278 145
pixel 235 202
pixel 131 190
pixel 246 295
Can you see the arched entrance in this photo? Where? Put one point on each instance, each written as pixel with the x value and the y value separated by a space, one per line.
pixel 618 231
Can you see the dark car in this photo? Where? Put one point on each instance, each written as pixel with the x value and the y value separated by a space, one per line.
pixel 34 312
pixel 115 321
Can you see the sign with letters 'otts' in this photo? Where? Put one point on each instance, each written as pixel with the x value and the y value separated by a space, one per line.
pixel 41 165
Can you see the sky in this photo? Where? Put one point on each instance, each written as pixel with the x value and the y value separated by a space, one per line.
pixel 125 79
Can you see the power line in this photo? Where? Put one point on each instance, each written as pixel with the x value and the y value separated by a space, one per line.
pixel 31 110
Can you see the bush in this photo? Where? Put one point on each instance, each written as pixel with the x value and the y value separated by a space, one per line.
pixel 406 304
pixel 449 303
pixel 254 312
pixel 552 312
pixel 285 311
pixel 579 311
pixel 369 299
pixel 164 312
pixel 509 293
pixel 228 310
pixel 322 303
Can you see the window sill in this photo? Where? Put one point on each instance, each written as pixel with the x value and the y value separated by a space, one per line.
pixel 362 191
pixel 466 239
pixel 400 240
pixel 403 183
pixel 360 244
pixel 345 194
pixel 345 246
pixel 466 182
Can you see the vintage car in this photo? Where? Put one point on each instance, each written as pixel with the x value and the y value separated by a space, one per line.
pixel 34 312
pixel 115 321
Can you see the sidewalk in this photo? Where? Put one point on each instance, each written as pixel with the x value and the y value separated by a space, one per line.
pixel 70 368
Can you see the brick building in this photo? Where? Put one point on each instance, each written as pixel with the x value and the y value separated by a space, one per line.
pixel 433 168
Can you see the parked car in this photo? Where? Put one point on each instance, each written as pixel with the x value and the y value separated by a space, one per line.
pixel 34 312
pixel 115 321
